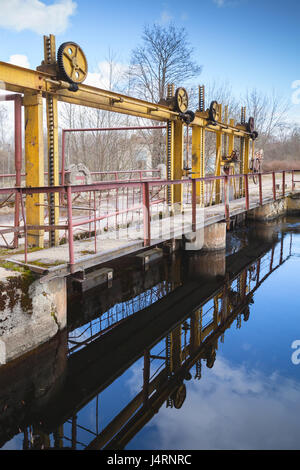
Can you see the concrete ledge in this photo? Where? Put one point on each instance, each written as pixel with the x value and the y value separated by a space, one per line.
pixel 149 256
pixel 94 278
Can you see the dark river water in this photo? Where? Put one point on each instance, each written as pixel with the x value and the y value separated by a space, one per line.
pixel 195 352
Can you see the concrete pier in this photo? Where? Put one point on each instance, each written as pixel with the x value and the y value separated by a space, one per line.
pixel 209 238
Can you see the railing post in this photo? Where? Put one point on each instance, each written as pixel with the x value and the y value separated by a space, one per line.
pixel 18 161
pixel 226 202
pixel 95 222
pixel 70 229
pixel 260 189
pixel 246 191
pixel 146 212
pixel 283 183
pixel 25 226
pixel 194 205
pixel 274 186
pixel 293 183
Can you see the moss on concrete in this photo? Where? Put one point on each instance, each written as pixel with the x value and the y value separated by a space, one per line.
pixel 16 288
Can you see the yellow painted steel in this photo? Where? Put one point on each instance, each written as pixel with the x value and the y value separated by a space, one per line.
pixel 34 165
pixel 231 139
pixel 198 160
pixel 218 166
pixel 74 62
pixel 35 84
pixel 177 163
pixel 176 354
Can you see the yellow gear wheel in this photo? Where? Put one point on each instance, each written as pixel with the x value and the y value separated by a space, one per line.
pixel 72 63
pixel 181 100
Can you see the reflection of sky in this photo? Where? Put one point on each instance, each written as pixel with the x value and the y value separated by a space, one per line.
pixel 229 408
pixel 250 399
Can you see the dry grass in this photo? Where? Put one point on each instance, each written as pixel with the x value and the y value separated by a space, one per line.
pixel 274 165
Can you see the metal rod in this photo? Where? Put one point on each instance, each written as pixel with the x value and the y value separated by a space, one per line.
pixel 146 213
pixel 70 229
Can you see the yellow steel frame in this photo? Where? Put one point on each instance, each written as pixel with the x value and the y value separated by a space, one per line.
pixel 37 84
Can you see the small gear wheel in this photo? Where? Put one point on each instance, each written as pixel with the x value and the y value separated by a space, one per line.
pixel 213 111
pixel 250 125
pixel 72 63
pixel 179 396
pixel 181 100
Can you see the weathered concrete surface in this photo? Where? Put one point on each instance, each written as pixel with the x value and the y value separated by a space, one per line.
pixel 210 238
pixel 31 312
pixel 293 204
pixel 269 211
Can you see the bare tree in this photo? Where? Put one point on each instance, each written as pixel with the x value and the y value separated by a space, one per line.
pixel 165 56
pixel 269 112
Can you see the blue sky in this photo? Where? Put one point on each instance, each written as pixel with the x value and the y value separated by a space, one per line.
pixel 247 43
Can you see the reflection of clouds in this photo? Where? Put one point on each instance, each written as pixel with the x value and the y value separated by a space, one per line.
pixel 135 381
pixel 231 408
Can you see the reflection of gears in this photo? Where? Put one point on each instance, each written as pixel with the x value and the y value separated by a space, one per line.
pixel 246 313
pixel 211 360
pixel 188 376
pixel 72 63
pixel 181 100
pixel 179 396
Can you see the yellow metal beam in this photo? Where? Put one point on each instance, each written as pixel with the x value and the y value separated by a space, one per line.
pixel 34 165
pixel 22 80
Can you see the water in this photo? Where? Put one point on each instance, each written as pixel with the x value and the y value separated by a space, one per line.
pixel 199 359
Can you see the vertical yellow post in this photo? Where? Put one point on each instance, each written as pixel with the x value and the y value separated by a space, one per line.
pixel 195 331
pixel 231 139
pixel 246 156
pixel 198 159
pixel 177 163
pixel 53 165
pixel 218 165
pixel 34 165
pixel 176 355
pixel 53 157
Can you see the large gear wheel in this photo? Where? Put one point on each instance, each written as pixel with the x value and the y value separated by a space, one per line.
pixel 72 63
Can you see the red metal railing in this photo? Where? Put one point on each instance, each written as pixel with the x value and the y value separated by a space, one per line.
pixel 146 203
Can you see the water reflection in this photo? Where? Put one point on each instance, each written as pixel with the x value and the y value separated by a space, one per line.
pixel 150 371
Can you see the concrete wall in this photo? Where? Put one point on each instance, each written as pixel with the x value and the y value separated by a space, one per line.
pixel 31 312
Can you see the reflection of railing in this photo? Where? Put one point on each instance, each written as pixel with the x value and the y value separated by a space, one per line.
pixel 83 336
pixel 138 210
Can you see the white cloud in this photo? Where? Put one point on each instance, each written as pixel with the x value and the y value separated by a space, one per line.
pixel 231 408
pixel 165 17
pixel 36 16
pixel 107 75
pixel 19 59
pixel 219 3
